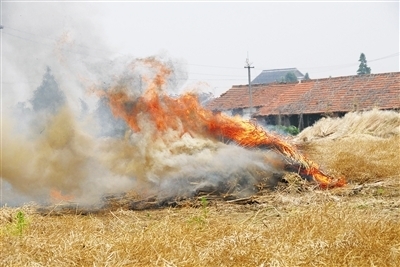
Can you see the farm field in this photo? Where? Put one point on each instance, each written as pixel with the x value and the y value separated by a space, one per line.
pixel 359 227
pixel 295 224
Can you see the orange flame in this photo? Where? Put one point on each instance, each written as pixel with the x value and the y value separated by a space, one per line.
pixel 56 195
pixel 187 115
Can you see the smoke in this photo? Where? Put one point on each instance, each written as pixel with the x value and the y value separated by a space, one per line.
pixel 49 59
pixel 51 154
pixel 64 138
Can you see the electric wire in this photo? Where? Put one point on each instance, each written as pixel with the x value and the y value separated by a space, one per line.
pixel 318 69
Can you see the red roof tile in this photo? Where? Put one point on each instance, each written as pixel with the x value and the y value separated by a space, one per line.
pixel 340 94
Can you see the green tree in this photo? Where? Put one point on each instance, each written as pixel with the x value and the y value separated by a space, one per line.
pixel 290 77
pixel 307 77
pixel 363 67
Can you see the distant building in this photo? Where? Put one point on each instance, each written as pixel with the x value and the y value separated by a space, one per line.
pixel 276 75
pixel 302 103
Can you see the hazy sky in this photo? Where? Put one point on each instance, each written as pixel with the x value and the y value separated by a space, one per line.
pixel 213 40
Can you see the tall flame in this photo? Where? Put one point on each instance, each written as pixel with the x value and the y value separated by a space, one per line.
pixel 186 115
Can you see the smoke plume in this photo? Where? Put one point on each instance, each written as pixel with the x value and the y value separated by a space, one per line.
pixel 78 126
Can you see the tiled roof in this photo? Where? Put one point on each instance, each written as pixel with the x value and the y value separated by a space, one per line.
pixel 275 75
pixel 339 94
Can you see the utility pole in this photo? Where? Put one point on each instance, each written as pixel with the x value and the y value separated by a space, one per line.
pixel 250 92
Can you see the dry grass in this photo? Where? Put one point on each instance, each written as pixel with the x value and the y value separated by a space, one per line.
pixel 296 225
pixel 363 146
pixel 361 159
pixel 312 228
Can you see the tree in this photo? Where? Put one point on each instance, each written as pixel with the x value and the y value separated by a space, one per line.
pixel 306 77
pixel 48 96
pixel 363 68
pixel 290 77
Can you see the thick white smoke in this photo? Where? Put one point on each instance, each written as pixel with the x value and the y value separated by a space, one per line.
pixel 60 139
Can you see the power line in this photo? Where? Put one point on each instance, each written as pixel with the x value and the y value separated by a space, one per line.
pixel 51 45
pixel 53 40
pixel 190 79
pixel 192 64
pixel 92 48
pixel 85 54
pixel 209 66
pixel 347 65
pixel 24 38
pixel 389 56
pixel 208 74
pixel 319 69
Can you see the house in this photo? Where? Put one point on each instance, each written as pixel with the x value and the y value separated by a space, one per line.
pixel 304 102
pixel 276 75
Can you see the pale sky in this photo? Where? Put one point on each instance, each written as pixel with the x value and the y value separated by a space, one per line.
pixel 211 40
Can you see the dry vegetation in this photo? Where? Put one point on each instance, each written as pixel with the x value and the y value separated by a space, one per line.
pixel 295 225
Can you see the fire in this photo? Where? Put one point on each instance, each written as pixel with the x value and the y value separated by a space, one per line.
pixel 186 115
pixel 57 196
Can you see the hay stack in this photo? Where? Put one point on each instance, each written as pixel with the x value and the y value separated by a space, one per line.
pixel 363 146
pixel 376 123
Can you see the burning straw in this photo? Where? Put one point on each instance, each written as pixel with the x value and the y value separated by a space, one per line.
pixel 185 115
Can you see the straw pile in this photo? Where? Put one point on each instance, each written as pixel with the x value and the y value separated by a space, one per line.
pixel 363 146
pixel 373 123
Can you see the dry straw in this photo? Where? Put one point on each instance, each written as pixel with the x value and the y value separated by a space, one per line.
pixel 311 229
pixel 363 146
